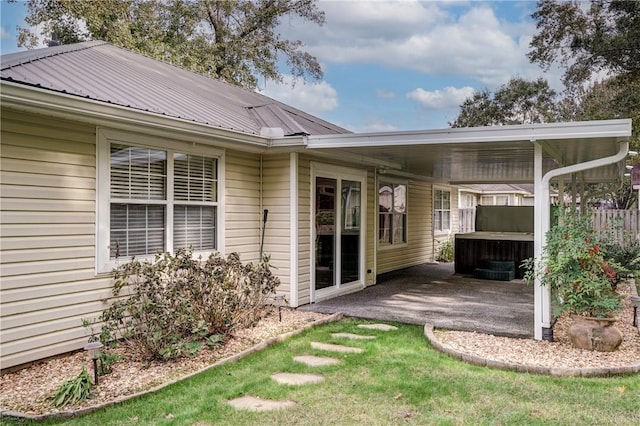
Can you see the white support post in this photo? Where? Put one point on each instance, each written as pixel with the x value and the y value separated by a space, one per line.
pixel 542 294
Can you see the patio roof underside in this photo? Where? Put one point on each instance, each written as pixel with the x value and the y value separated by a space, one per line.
pixel 510 161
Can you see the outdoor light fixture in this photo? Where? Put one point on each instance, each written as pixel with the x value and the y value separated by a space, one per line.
pixel 628 167
pixel 633 153
pixel 93 350
pixel 627 174
pixel 279 298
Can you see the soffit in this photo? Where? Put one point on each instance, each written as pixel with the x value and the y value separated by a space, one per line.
pixel 504 155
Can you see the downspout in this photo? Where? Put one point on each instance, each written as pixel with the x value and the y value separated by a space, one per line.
pixel 542 294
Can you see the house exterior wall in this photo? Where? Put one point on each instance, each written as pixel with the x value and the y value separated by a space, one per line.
pixel 48 237
pixel 419 246
pixel 305 241
pixel 242 205
pixel 276 198
pixel 48 280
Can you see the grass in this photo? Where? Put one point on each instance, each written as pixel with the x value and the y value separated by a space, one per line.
pixel 399 379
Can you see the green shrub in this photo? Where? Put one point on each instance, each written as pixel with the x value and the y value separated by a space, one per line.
pixel 620 247
pixel 445 252
pixel 574 267
pixel 72 391
pixel 171 307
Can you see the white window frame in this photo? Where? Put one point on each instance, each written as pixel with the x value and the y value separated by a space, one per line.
pixel 339 173
pixel 104 138
pixel 435 210
pixel 391 181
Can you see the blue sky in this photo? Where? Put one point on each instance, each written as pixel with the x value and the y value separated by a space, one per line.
pixel 394 64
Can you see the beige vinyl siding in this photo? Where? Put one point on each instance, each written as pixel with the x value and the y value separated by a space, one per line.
pixel 242 205
pixel 305 243
pixel 419 246
pixel 276 197
pixel 47 246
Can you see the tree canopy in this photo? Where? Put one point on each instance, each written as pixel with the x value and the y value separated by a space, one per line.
pixel 234 40
pixel 518 102
pixel 603 36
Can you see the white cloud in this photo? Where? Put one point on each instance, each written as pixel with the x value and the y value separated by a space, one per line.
pixel 384 94
pixel 314 98
pixel 4 34
pixel 449 97
pixel 434 38
pixel 375 126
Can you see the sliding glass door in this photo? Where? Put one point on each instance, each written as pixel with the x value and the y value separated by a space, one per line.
pixel 338 218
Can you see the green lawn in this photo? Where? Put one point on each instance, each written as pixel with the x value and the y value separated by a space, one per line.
pixel 399 379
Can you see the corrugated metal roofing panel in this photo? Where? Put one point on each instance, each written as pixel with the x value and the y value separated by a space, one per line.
pixel 103 72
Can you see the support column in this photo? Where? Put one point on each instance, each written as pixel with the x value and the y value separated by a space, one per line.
pixel 542 294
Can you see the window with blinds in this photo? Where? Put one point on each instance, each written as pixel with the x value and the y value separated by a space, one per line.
pixel 143 196
pixel 194 195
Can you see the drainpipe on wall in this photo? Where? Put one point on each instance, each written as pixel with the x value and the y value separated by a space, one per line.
pixel 542 294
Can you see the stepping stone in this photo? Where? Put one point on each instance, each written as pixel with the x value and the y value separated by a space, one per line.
pixel 315 361
pixel 336 348
pixel 352 336
pixel 383 327
pixel 253 403
pixel 296 379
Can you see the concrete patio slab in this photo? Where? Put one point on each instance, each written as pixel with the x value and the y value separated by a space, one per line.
pixel 434 294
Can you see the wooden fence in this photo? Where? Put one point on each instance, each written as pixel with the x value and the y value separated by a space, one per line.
pixel 623 225
pixel 466 220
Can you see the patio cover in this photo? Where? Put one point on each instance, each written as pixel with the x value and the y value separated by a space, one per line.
pixel 537 153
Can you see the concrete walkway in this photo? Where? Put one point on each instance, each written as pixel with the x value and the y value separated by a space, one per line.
pixel 432 293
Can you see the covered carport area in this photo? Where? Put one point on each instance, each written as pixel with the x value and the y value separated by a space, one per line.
pixel 578 152
pixel 431 293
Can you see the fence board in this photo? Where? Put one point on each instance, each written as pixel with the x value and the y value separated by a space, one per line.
pixel 621 225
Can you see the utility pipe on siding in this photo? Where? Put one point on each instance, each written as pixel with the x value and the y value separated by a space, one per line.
pixel 542 294
pixel 260 227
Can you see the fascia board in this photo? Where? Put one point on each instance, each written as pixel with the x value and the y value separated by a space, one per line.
pixel 620 128
pixel 42 101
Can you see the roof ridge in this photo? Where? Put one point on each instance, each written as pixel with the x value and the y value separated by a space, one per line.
pixel 28 56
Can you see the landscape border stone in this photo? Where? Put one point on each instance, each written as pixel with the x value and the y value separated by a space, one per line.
pixel 232 358
pixel 633 368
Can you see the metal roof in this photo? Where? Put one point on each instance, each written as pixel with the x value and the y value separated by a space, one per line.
pixel 103 72
pixel 100 73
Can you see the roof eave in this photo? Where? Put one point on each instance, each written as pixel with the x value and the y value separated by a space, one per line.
pixel 60 105
pixel 620 128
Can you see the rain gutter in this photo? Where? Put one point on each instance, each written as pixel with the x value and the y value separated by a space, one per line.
pixel 542 294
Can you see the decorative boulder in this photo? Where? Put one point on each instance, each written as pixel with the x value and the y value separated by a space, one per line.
pixel 595 334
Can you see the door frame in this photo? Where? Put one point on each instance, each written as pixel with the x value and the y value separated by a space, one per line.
pixel 339 173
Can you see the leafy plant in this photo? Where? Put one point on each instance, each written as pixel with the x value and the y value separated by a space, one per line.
pixel 445 252
pixel 106 361
pixel 573 265
pixel 171 307
pixel 622 248
pixel 73 391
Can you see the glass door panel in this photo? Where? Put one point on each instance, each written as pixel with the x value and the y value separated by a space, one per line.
pixel 350 232
pixel 325 244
